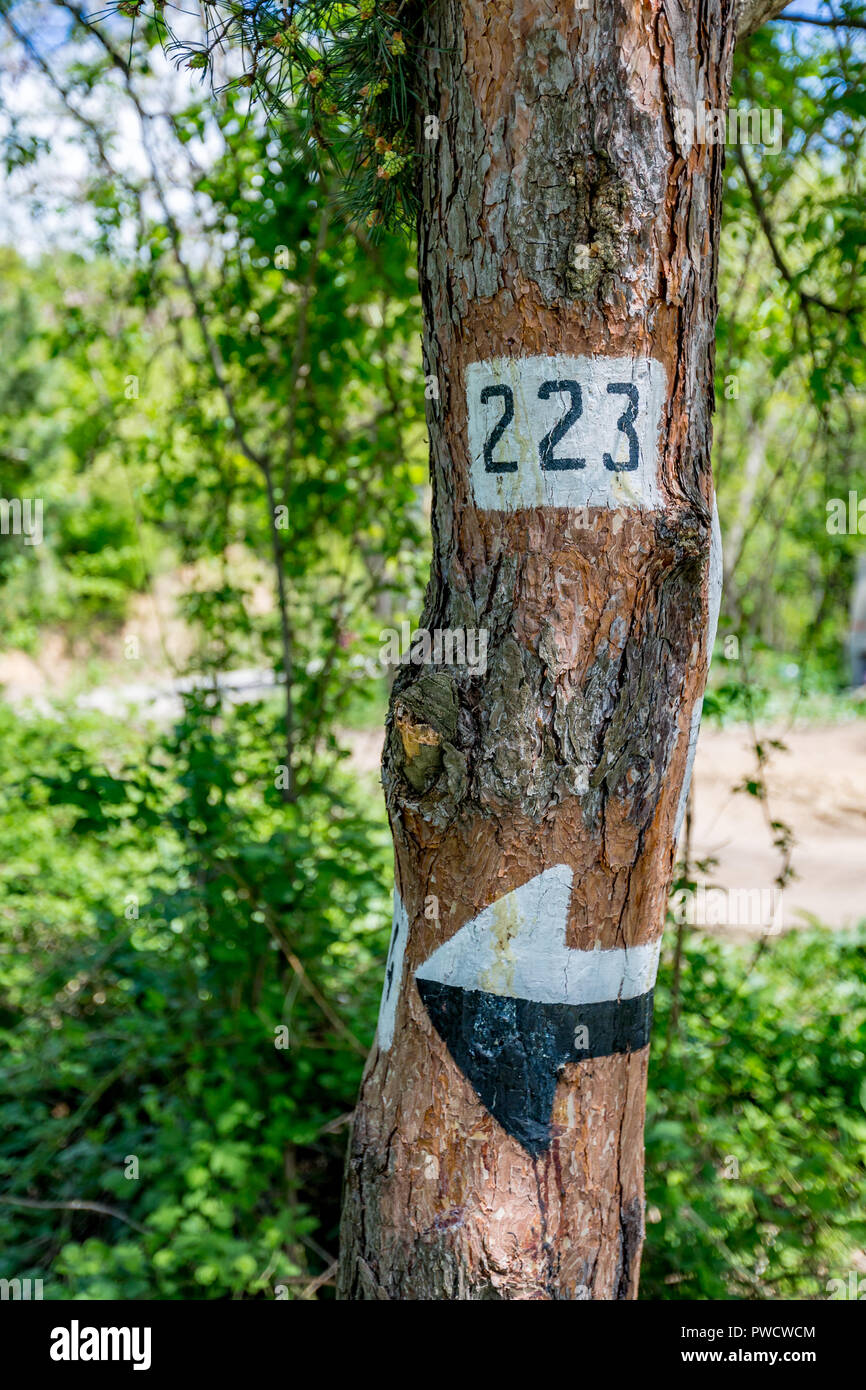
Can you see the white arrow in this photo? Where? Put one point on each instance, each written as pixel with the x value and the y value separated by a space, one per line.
pixel 516 947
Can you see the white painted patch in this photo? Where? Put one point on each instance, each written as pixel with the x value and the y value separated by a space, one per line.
pixel 715 604
pixel 515 404
pixel 393 974
pixel 516 947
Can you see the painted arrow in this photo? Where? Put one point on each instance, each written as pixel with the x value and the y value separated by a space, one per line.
pixel 513 1004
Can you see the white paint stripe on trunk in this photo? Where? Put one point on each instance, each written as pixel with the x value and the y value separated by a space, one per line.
pixel 516 947
pixel 393 974
pixel 714 583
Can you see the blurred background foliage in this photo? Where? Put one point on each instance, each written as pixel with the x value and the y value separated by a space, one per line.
pixel 211 374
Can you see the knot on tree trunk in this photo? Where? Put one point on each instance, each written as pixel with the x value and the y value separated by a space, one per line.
pixel 422 747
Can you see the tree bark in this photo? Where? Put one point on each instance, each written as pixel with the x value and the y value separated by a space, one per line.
pixel 570 226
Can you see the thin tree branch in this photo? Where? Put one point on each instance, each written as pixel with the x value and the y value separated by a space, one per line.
pixel 99 1207
pixel 304 979
pixel 835 23
pixel 326 1277
pixel 751 14
pixel 784 270
pixel 301 339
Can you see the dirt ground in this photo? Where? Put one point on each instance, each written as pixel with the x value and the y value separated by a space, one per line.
pixel 817 788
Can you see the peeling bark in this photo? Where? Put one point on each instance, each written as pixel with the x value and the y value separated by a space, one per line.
pixel 560 216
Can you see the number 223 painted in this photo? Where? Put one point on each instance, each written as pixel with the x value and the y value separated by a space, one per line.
pixel 565 431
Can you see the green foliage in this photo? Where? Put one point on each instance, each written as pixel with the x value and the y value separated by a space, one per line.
pixel 756 1131
pixel 150 1029
pixel 345 68
pixel 790 428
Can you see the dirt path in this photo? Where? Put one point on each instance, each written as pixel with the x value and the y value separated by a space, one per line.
pixel 817 788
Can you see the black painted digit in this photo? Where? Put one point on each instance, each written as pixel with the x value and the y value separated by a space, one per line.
pixel 492 465
pixel 626 424
pixel 550 441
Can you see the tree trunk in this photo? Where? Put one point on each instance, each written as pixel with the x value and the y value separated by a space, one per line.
pixel 567 250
